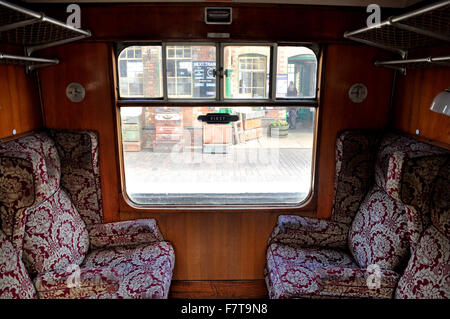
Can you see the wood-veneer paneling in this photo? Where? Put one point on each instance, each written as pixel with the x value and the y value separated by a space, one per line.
pixel 19 99
pixel 413 97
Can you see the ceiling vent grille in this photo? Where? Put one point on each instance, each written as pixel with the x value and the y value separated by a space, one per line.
pixel 218 15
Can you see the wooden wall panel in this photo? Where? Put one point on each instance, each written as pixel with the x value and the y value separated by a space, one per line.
pixel 88 64
pixel 346 65
pixel 186 21
pixel 19 100
pixel 209 245
pixel 414 94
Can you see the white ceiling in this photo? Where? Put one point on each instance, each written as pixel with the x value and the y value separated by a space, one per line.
pixel 382 3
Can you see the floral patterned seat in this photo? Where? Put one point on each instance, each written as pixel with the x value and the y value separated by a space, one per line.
pixel 51 213
pixel 427 275
pixel 381 189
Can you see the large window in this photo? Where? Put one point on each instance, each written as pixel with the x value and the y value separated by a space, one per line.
pixel 173 158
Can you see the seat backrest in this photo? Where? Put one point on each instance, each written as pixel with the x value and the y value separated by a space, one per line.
pixel 14 280
pixel 404 173
pixel 80 171
pixel 355 163
pixel 427 275
pixel 37 214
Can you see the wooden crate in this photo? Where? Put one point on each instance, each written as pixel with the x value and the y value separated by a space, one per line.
pixel 251 124
pixel 132 146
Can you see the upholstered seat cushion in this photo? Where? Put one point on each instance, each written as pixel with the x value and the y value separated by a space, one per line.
pixel 140 271
pixel 144 271
pixel 427 275
pixel 314 272
pixel 55 235
pixel 291 272
pixel 14 279
pixel 130 232
pixel 379 233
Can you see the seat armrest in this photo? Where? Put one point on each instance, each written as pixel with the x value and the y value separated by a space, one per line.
pixel 124 233
pixel 75 282
pixel 357 282
pixel 306 231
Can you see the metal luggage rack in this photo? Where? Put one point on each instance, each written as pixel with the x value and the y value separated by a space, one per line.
pixel 34 31
pixel 423 27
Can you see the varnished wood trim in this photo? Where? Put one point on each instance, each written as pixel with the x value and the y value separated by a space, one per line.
pixel 17 136
pixel 423 139
pixel 219 289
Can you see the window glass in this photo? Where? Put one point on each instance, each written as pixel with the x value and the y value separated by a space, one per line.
pixel 140 72
pixel 247 72
pixel 172 158
pixel 190 71
pixel 296 72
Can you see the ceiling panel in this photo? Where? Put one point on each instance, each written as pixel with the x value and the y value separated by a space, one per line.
pixel 382 3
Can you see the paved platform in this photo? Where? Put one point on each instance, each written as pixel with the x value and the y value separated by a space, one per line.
pixel 264 171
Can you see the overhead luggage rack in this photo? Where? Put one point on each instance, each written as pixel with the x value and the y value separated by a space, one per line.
pixel 34 31
pixel 427 26
pixel 402 65
pixel 30 62
pixel 421 27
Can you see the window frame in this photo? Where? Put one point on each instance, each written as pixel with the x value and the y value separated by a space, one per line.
pixel 308 205
pixel 272 99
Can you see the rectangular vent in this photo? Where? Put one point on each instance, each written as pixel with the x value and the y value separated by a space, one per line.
pixel 218 15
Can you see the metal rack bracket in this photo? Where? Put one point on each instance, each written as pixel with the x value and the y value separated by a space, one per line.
pixel 34 31
pixel 401 65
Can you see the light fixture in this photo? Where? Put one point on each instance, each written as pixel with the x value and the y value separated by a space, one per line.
pixel 441 103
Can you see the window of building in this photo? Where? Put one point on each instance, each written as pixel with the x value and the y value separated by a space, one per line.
pixel 296 72
pixel 252 75
pixel 247 73
pixel 190 71
pixel 139 70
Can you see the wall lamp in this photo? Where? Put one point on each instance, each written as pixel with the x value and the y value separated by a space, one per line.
pixel 441 103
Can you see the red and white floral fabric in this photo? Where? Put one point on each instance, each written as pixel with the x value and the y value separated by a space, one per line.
pixel 355 164
pixel 406 169
pixel 80 171
pixel 29 174
pixel 51 236
pixel 379 233
pixel 291 270
pixel 142 271
pixel 145 270
pixel 355 282
pixel 14 280
pixel 124 233
pixel 427 275
pixel 307 257
pixel 55 235
pixel 73 282
pixel 305 231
